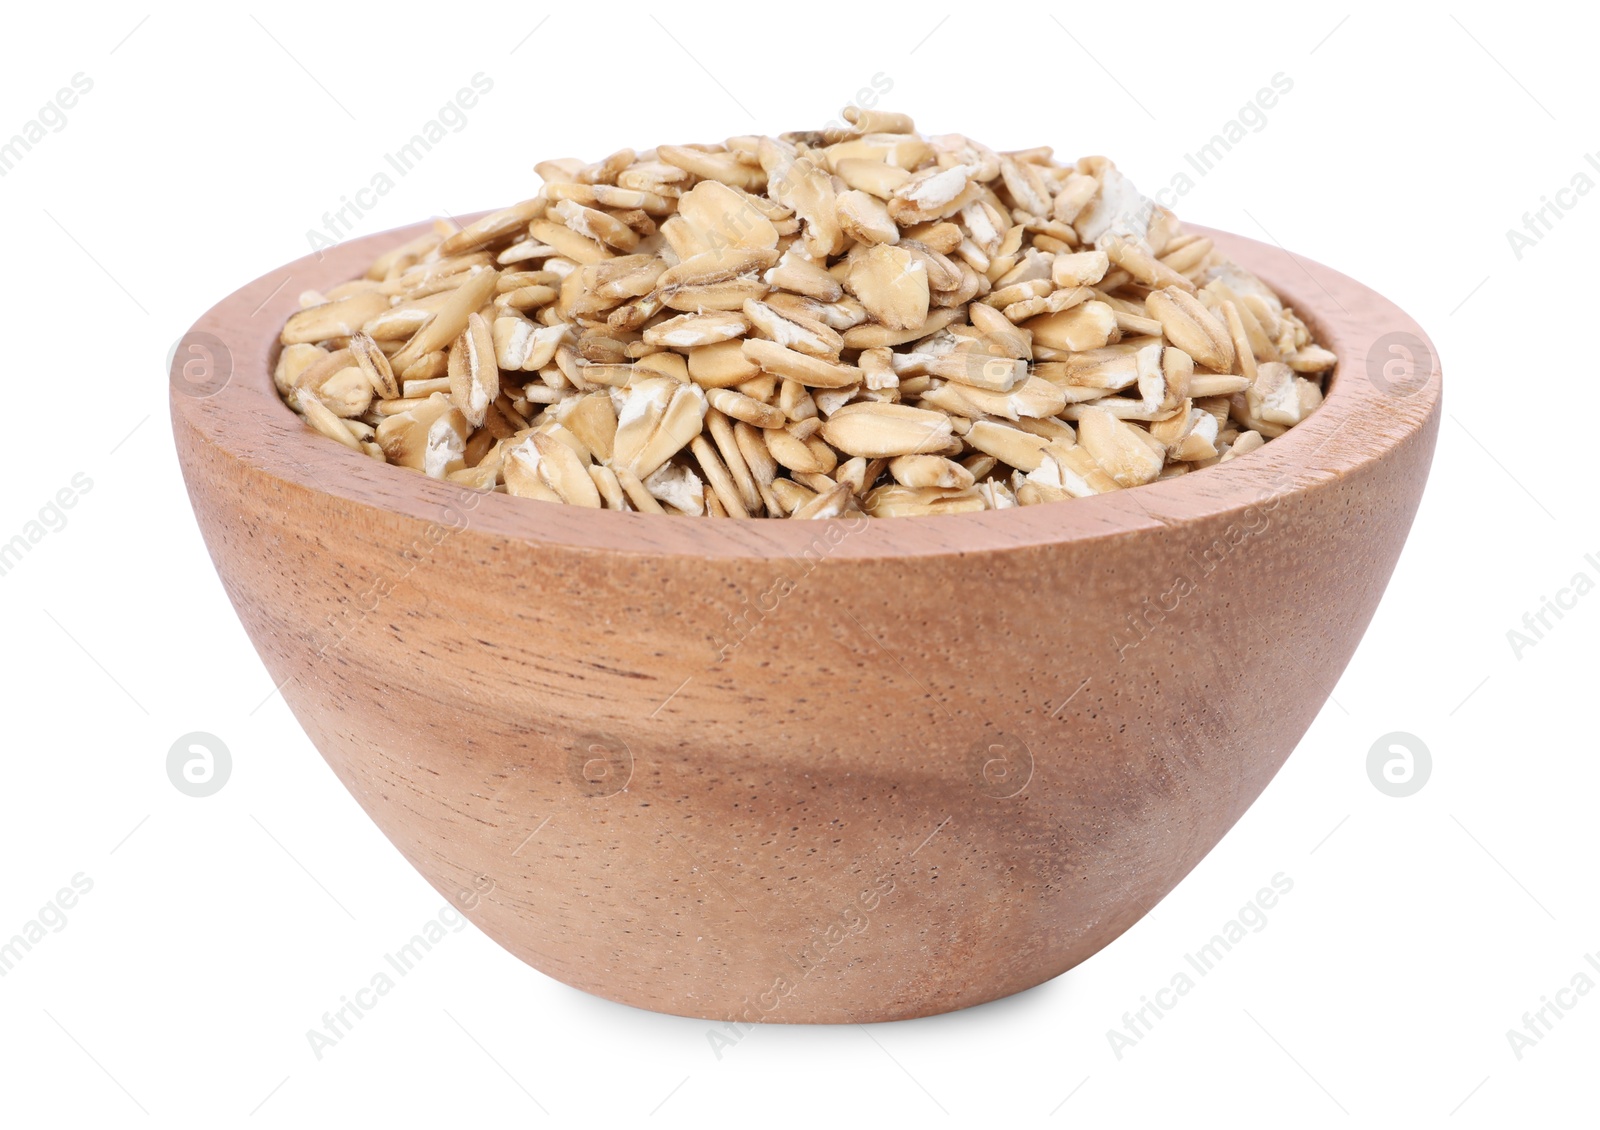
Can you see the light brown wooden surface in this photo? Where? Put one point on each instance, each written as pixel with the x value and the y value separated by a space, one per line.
pixel 922 771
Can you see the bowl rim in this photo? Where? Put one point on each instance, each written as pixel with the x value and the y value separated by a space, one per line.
pixel 246 420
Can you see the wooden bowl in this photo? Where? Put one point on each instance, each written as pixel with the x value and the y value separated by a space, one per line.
pixel 806 771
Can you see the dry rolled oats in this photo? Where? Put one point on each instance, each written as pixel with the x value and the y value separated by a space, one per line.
pixel 858 320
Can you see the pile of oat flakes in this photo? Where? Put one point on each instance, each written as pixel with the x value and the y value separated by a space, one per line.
pixel 849 320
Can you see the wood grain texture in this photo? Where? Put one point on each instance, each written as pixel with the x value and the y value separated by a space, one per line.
pixel 806 771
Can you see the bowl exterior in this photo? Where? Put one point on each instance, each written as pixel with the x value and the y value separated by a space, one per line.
pixel 827 783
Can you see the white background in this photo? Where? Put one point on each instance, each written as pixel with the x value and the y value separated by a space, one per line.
pixel 219 930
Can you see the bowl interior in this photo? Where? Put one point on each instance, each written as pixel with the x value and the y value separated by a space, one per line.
pixel 1368 410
